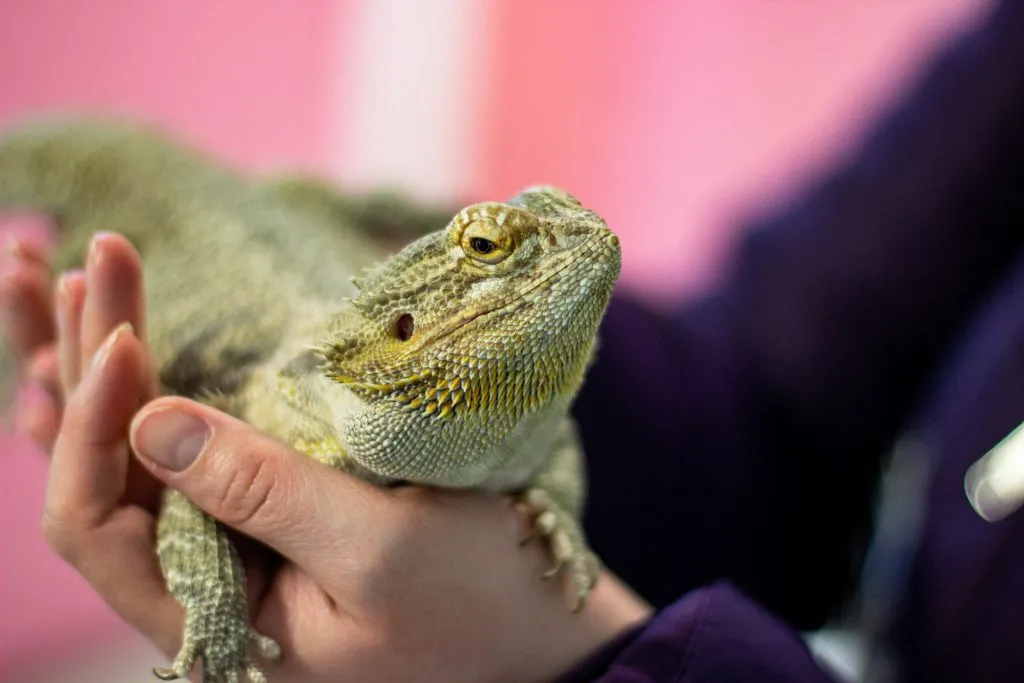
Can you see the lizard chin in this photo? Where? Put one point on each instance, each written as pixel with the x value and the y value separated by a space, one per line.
pixel 398 444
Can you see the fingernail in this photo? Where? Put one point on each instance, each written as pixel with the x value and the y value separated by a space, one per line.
pixel 8 267
pixel 18 248
pixel 42 372
pixel 94 248
pixel 170 438
pixel 12 247
pixel 63 303
pixel 102 353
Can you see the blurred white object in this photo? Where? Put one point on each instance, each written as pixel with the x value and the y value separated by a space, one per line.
pixel 409 93
pixel 995 483
pixel 839 650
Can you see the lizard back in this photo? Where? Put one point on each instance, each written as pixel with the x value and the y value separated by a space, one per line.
pixel 229 262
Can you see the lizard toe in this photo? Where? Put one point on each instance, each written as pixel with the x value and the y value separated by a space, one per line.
pixel 566 542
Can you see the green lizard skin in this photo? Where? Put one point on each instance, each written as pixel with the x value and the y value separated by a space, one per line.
pixel 451 363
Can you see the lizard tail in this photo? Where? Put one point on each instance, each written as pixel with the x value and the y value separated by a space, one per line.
pixel 87 172
pixel 93 174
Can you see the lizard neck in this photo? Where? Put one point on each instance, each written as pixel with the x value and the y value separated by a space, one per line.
pixel 460 452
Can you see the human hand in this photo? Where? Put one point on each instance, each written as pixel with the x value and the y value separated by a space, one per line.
pixel 390 585
pixel 33 318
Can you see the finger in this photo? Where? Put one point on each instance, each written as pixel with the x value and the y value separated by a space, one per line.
pixel 43 368
pixel 309 513
pixel 70 302
pixel 114 291
pixel 88 517
pixel 90 464
pixel 40 400
pixel 37 416
pixel 28 245
pixel 25 311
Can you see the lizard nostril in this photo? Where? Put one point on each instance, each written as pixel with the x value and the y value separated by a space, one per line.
pixel 404 326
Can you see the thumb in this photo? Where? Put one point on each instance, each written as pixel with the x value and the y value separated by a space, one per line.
pixel 253 483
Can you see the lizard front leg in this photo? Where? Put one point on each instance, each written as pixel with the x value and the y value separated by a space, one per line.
pixel 205 574
pixel 555 496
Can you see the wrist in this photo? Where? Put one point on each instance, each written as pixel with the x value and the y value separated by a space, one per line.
pixel 611 609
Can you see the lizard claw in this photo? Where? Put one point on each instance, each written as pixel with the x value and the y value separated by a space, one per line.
pixel 553 571
pixel 566 541
pixel 530 535
pixel 165 674
pixel 182 663
pixel 223 658
pixel 265 645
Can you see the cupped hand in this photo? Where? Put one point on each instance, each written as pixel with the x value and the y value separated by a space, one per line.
pixel 375 585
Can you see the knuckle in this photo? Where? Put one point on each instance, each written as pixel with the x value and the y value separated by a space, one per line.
pixel 60 535
pixel 245 491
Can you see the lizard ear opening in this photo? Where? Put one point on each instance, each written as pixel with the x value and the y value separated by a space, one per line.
pixel 404 327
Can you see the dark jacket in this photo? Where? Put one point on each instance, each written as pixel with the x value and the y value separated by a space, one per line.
pixel 735 444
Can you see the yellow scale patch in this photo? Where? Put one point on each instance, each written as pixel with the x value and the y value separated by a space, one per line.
pixel 442 399
pixel 328 450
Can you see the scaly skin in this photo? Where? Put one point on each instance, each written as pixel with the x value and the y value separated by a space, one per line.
pixel 453 364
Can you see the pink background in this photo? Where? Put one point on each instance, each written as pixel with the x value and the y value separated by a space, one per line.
pixel 672 120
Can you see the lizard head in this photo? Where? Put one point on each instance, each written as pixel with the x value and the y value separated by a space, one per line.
pixel 469 345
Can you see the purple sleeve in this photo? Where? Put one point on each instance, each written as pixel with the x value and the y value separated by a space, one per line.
pixel 712 634
pixel 742 436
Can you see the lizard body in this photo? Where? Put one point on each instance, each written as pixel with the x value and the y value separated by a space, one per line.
pixel 452 363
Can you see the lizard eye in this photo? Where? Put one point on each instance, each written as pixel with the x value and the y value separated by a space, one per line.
pixel 486 242
pixel 482 246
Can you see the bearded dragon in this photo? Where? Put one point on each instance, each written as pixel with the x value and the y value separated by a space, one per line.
pixel 452 363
